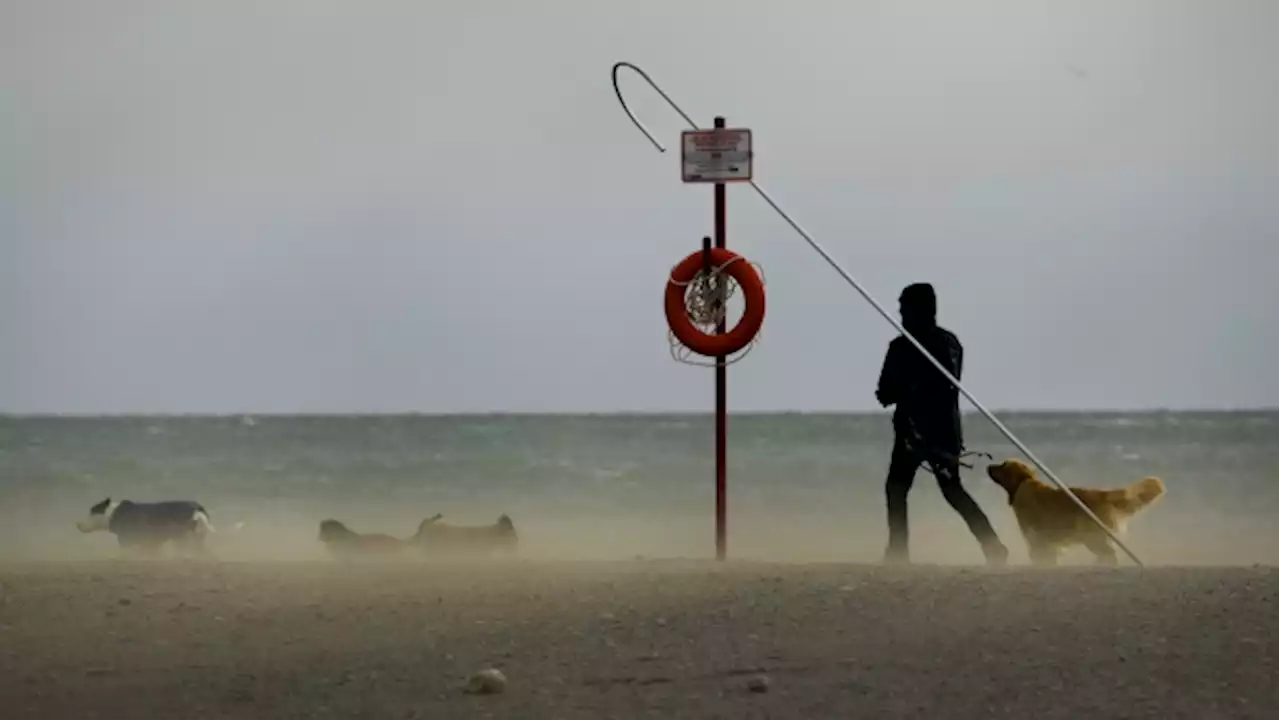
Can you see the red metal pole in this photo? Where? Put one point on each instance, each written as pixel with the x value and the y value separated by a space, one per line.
pixel 721 515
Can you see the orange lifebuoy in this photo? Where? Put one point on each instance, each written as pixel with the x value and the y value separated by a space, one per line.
pixel 736 267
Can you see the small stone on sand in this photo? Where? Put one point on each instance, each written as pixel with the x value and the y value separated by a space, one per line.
pixel 487 682
pixel 758 684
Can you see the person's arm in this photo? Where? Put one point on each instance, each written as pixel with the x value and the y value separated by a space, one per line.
pixel 889 389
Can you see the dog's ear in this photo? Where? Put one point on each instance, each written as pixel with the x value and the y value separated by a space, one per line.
pixel 426 523
pixel 1023 471
pixel 1001 473
pixel 1011 474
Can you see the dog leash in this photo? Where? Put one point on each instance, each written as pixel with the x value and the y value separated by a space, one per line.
pixel 957 459
pixel 972 453
pixel 932 455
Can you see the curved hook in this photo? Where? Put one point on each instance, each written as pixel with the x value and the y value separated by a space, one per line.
pixel 653 85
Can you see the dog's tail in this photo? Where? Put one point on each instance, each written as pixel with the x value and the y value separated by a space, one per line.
pixel 1140 494
pixel 206 526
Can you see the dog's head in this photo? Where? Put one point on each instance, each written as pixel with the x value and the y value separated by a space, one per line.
pixel 1010 475
pixel 505 526
pixel 99 517
pixel 425 526
pixel 333 531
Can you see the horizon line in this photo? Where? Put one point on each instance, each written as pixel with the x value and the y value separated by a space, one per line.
pixel 619 413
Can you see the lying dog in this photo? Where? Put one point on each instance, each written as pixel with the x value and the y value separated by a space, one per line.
pixel 436 537
pixel 146 527
pixel 1050 521
pixel 345 543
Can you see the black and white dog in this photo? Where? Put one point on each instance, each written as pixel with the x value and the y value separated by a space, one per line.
pixel 146 527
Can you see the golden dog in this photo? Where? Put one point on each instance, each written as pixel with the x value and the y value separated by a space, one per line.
pixel 348 544
pixel 1050 521
pixel 436 537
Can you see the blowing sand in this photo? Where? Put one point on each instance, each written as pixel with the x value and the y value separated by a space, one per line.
pixel 277 640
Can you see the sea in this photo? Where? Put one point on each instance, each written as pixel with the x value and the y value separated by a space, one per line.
pixel 800 487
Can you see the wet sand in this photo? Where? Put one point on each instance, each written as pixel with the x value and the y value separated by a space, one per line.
pixel 117 639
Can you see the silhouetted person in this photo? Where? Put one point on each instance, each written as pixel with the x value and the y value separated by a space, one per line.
pixel 926 422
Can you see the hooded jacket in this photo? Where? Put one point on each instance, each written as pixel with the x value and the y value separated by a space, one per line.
pixel 927 416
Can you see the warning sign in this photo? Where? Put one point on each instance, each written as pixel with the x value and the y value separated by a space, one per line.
pixel 716 156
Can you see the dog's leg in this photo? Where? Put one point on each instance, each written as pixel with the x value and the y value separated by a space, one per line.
pixel 135 548
pixel 144 550
pixel 1043 554
pixel 193 546
pixel 1101 548
pixel 128 550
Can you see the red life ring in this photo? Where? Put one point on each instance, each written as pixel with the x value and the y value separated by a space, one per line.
pixel 736 267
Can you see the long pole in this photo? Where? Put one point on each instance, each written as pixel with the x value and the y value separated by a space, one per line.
pixel 878 307
pixel 721 377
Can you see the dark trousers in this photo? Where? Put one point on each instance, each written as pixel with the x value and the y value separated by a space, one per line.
pixel 902 474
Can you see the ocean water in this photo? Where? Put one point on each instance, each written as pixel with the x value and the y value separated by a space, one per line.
pixel 801 486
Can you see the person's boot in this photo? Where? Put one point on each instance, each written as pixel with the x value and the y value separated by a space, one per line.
pixel 896 555
pixel 997 554
pixel 899 537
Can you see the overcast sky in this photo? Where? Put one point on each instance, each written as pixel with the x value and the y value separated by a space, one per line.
pixel 309 206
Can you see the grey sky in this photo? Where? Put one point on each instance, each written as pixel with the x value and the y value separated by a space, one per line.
pixel 436 207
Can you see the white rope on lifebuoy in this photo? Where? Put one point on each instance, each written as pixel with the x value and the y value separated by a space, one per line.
pixel 704 308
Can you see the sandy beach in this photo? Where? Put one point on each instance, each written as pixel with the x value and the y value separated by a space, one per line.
pixel 644 638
